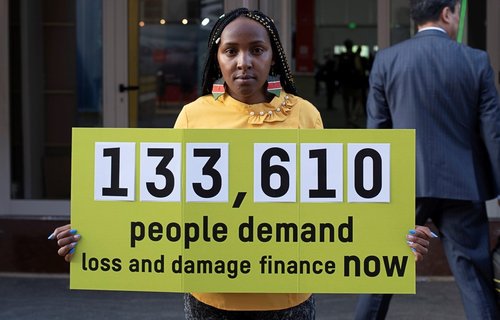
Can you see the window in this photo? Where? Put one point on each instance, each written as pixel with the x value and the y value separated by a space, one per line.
pixel 55 83
pixel 172 46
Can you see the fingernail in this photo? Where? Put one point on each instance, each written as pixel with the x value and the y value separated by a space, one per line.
pixel 52 236
pixel 73 244
pixel 409 243
pixel 77 237
pixel 72 231
pixel 434 235
pixel 412 231
pixel 72 251
pixel 413 249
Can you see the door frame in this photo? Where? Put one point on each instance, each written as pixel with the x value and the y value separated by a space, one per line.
pixel 5 176
pixel 115 62
pixel 115 103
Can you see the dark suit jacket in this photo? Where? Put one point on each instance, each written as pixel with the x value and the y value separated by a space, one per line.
pixel 446 92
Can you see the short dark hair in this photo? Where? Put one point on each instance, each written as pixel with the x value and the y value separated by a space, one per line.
pixel 280 68
pixel 422 11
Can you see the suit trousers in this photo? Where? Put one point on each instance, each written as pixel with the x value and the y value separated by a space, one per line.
pixel 464 232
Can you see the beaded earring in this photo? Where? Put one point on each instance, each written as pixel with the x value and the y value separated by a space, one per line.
pixel 218 88
pixel 274 85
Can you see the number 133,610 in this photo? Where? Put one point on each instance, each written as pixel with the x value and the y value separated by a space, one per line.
pixel 321 172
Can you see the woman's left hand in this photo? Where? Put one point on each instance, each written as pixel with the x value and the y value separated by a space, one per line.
pixel 418 241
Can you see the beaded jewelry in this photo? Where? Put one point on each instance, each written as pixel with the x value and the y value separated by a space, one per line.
pixel 279 112
pixel 274 85
pixel 218 88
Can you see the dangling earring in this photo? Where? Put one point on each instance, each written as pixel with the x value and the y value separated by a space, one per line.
pixel 218 88
pixel 274 85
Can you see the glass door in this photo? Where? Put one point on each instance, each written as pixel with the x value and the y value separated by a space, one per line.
pixel 167 47
pixel 53 77
pixel 55 83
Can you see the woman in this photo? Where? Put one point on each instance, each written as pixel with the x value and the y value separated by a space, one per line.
pixel 243 75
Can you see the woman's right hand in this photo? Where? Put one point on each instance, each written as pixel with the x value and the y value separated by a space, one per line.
pixel 67 239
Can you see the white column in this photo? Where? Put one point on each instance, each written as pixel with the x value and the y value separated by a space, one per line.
pixel 115 63
pixel 285 29
pixel 383 23
pixel 233 4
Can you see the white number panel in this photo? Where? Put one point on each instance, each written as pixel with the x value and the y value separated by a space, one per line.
pixel 114 173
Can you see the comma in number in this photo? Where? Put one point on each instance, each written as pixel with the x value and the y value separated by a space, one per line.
pixel 239 199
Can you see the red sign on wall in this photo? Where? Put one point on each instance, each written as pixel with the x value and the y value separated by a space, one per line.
pixel 304 37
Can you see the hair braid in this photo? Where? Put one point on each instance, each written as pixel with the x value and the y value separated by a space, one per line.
pixel 211 70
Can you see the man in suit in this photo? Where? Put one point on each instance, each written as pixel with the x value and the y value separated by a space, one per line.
pixel 446 92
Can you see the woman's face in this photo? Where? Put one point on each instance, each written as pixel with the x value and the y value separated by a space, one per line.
pixel 245 57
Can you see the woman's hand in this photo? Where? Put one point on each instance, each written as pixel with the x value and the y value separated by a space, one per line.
pixel 67 239
pixel 418 241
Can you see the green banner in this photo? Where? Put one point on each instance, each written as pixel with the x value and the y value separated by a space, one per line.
pixel 461 24
pixel 323 211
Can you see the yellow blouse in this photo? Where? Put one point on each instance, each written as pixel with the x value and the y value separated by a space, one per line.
pixel 284 112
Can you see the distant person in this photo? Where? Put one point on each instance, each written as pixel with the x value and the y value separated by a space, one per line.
pixel 350 74
pixel 327 73
pixel 318 76
pixel 330 78
pixel 446 91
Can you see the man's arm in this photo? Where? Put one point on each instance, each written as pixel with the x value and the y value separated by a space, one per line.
pixel 489 118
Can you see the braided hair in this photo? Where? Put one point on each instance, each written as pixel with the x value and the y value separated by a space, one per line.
pixel 280 68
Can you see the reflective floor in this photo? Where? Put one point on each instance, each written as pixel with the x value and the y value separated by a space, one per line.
pixel 25 296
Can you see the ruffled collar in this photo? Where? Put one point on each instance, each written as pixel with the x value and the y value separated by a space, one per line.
pixel 275 111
